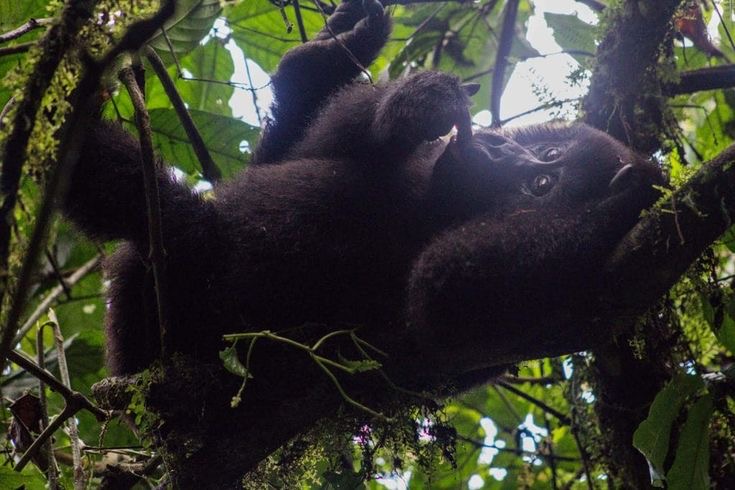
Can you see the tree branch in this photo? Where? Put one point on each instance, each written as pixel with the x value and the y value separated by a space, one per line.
pixel 68 154
pixel 24 29
pixel 209 168
pixel 623 87
pixel 501 58
pixel 18 48
pixel 711 78
pixel 157 254
pixel 53 295
pixel 52 48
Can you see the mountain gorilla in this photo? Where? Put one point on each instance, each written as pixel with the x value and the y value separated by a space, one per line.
pixel 355 211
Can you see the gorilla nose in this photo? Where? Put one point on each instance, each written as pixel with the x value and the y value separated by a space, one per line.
pixel 623 178
pixel 639 173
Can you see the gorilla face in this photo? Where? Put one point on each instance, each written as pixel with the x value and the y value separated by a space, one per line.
pixel 542 167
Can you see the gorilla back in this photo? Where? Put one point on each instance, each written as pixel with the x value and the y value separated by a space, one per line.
pixel 353 211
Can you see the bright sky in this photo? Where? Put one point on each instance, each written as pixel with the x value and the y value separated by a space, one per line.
pixel 548 73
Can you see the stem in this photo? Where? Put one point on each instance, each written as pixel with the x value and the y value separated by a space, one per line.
pixel 53 295
pixel 344 394
pixel 501 58
pixel 209 168
pixel 153 205
pixel 76 446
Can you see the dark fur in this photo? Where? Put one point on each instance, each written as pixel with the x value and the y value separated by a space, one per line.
pixel 350 213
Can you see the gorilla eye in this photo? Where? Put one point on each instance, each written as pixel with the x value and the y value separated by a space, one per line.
pixel 550 154
pixel 541 185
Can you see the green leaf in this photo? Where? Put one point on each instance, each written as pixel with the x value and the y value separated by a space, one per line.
pixel 13 13
pixel 192 20
pixel 719 317
pixel 209 62
pixel 728 239
pixel 222 136
pixel 572 34
pixel 232 362
pixel 652 436
pixel 259 30
pixel 360 366
pixel 28 479
pixel 690 470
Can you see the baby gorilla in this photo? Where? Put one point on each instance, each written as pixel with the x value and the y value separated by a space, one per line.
pixel 352 211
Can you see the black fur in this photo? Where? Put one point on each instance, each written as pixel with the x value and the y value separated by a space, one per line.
pixel 352 212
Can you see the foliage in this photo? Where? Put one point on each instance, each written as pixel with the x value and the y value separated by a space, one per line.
pixel 537 429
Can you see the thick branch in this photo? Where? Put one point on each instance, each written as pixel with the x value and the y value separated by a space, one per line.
pixel 666 241
pixel 711 78
pixel 623 78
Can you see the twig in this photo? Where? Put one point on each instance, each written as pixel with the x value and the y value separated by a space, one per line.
pixel 76 446
pixel 73 402
pixel 53 382
pixel 543 406
pixel 153 205
pixel 53 295
pixel 6 109
pixel 549 457
pixel 18 48
pixel 321 361
pixel 299 20
pixel 548 105
pixel 501 58
pixel 723 23
pixel 253 92
pixel 575 433
pixel 52 473
pixel 347 50
pixel 552 457
pixel 56 271
pixel 24 29
pixel 568 485
pixel 209 168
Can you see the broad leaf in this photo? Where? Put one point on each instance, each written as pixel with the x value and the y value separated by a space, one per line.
pixel 573 34
pixel 232 362
pixel 223 137
pixel 192 20
pixel 13 13
pixel 259 29
pixel 690 470
pixel 652 436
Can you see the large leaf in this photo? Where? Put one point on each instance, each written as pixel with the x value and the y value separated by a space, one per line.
pixel 573 34
pixel 204 87
pixel 222 135
pixel 29 479
pixel 652 436
pixel 690 470
pixel 14 12
pixel 192 20
pixel 720 318
pixel 259 30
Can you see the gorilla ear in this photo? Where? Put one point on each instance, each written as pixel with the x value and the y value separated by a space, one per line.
pixel 470 88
